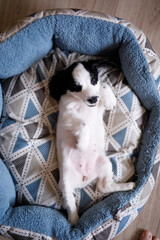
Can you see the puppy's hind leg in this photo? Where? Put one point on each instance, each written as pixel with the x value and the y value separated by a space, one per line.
pixel 106 186
pixel 69 201
pixel 106 182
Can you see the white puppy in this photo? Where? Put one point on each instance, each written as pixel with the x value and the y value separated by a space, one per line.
pixel 81 134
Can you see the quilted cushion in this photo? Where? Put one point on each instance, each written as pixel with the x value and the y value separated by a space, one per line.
pixel 28 131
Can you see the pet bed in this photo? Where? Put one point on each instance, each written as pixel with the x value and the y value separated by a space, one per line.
pixel 31 52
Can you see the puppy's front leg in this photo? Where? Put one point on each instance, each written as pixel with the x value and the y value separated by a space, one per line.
pixel 82 137
pixel 108 98
pixel 80 130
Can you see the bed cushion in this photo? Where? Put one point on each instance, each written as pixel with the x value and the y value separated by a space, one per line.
pixel 29 120
pixel 28 131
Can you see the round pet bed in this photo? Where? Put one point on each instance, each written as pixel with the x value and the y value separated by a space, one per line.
pixel 31 205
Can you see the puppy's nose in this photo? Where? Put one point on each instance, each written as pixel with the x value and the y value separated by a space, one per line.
pixel 93 99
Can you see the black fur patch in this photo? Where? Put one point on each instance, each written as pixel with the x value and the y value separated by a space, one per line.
pixel 93 71
pixel 92 66
pixel 63 80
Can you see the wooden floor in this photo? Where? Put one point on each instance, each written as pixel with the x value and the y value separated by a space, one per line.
pixel 145 14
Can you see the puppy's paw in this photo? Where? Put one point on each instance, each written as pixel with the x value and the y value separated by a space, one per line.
pixel 110 104
pixel 107 96
pixel 82 143
pixel 83 138
pixel 73 218
pixel 131 185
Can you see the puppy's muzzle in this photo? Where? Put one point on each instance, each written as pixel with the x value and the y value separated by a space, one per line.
pixel 92 101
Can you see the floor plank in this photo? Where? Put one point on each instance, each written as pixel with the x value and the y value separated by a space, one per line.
pixel 145 14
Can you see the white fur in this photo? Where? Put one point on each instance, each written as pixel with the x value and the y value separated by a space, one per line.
pixel 81 141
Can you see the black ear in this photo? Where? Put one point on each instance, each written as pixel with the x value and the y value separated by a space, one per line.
pixel 61 82
pixel 58 84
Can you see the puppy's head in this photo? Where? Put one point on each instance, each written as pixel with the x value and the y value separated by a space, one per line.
pixel 79 80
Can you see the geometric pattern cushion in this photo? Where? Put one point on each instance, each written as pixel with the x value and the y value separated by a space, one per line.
pixel 28 132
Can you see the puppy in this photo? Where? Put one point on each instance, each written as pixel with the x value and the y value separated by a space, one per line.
pixel 80 132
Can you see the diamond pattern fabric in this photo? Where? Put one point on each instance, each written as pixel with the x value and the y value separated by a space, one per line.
pixel 28 131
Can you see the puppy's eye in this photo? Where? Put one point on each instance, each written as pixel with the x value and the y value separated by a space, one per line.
pixel 77 83
pixel 76 87
pixel 94 80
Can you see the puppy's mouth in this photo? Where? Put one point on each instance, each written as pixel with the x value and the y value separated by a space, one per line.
pixel 92 105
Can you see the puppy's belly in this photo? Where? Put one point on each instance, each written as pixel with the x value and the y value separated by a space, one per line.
pixel 80 167
pixel 84 166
